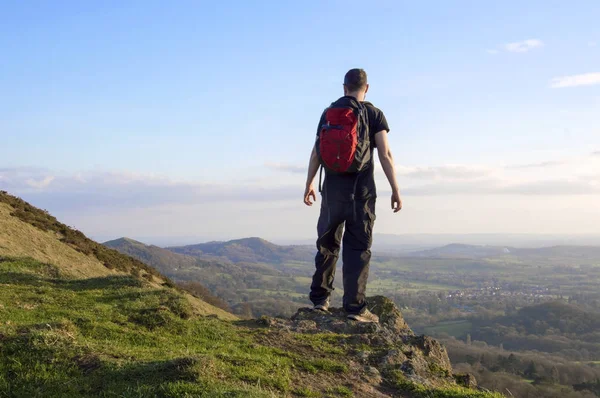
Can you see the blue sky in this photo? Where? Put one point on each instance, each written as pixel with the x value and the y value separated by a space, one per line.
pixel 175 109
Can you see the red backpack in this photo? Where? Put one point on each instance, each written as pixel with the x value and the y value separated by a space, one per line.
pixel 343 144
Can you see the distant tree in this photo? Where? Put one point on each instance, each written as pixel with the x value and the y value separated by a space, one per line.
pixel 468 338
pixel 246 311
pixel 555 375
pixel 433 307
pixel 531 372
pixel 512 363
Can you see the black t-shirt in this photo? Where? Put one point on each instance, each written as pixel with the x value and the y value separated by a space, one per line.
pixel 340 187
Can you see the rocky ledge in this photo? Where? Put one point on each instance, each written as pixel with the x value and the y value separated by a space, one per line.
pixel 388 352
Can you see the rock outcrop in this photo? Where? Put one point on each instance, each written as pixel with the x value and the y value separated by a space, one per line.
pixel 389 353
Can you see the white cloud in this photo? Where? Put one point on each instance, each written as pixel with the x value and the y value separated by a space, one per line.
pixel 592 44
pixel 108 191
pixel 290 168
pixel 492 52
pixel 523 46
pixel 40 183
pixel 554 187
pixel 586 79
pixel 129 190
pixel 452 172
pixel 483 198
pixel 549 163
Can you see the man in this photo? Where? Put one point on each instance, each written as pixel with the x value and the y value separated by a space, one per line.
pixel 348 199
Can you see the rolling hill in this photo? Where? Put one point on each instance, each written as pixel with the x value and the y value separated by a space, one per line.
pixel 249 250
pixel 553 255
pixel 247 287
pixel 163 260
pixel 456 250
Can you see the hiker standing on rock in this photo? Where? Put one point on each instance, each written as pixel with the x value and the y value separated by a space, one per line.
pixel 348 132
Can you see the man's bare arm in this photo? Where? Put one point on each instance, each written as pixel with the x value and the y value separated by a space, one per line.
pixel 313 168
pixel 387 163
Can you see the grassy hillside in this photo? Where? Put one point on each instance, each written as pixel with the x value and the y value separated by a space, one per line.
pixel 15 208
pixel 18 238
pixel 26 231
pixel 112 336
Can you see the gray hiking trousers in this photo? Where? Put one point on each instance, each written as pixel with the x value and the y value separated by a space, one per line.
pixel 351 223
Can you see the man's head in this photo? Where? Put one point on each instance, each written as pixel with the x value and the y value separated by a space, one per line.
pixel 355 84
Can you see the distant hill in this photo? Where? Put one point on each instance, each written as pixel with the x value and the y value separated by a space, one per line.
pixel 564 251
pixel 554 255
pixel 249 250
pixel 247 287
pixel 163 260
pixel 414 242
pixel 461 250
pixel 178 265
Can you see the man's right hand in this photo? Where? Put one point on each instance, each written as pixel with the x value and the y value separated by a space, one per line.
pixel 396 202
pixel 309 193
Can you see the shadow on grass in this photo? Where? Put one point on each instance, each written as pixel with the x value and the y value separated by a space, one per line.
pixel 129 296
pixel 73 373
pixel 106 282
pixel 21 278
pixel 149 375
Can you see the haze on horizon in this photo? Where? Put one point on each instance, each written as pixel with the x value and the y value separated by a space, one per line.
pixel 197 119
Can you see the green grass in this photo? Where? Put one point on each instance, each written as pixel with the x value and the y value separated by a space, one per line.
pixel 306 392
pixel 266 292
pixel 112 337
pixel 452 328
pixel 323 342
pixel 388 284
pixel 398 380
pixel 304 280
pixel 340 391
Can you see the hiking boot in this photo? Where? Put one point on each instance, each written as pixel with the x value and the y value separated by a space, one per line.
pixel 324 306
pixel 366 316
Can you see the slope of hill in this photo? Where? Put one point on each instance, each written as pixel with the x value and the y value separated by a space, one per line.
pixel 26 231
pixel 250 250
pixel 20 239
pixel 128 333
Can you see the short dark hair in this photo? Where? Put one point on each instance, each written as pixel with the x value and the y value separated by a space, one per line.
pixel 355 79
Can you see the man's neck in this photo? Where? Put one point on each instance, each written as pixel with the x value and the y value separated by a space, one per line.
pixel 358 96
